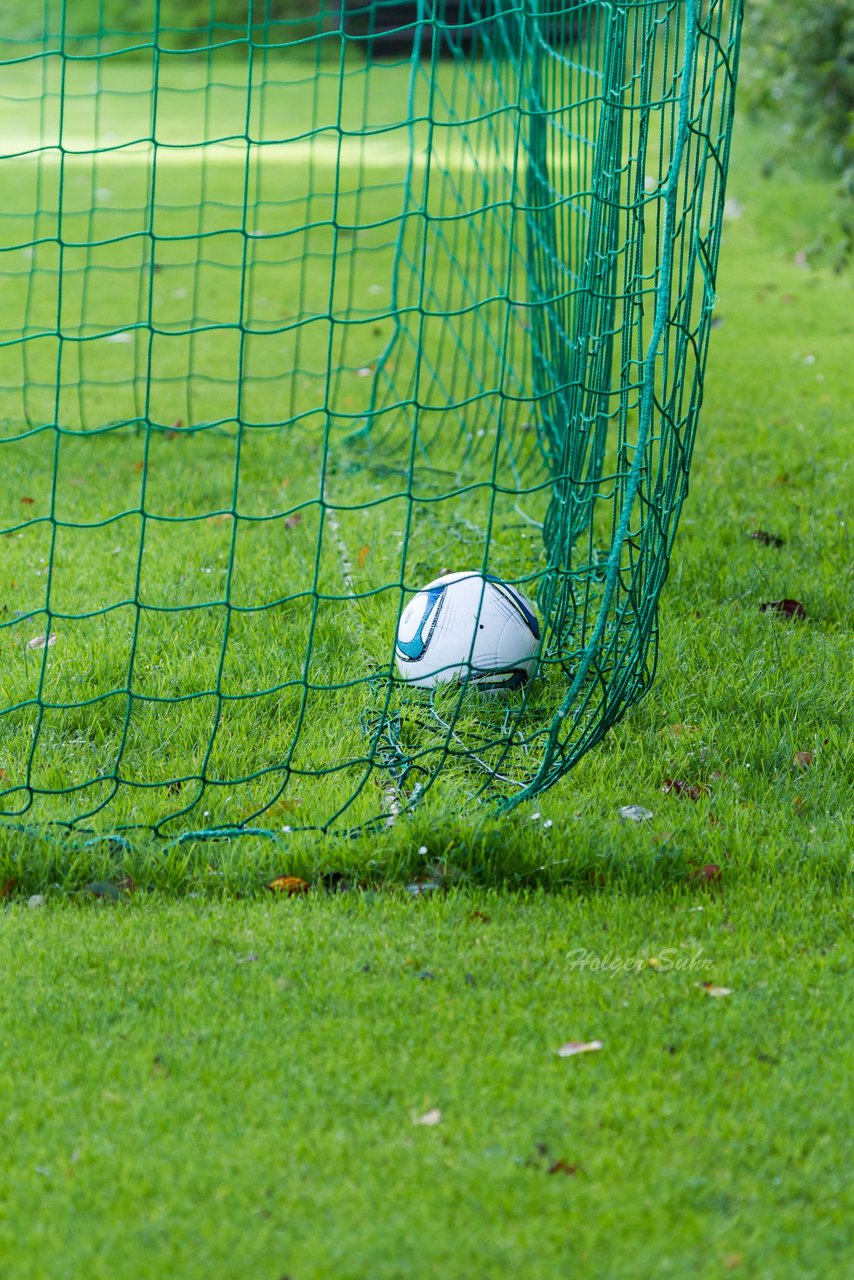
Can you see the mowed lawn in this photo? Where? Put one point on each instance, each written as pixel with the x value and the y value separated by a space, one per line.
pixel 204 1079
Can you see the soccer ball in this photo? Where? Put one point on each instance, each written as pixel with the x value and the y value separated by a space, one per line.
pixel 468 626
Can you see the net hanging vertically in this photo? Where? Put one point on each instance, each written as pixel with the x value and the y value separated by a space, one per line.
pixel 301 309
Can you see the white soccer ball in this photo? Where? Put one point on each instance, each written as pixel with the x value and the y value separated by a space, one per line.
pixel 468 626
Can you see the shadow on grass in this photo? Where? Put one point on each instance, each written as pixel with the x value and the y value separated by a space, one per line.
pixel 589 856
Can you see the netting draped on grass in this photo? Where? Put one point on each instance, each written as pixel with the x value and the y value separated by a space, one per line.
pixel 300 313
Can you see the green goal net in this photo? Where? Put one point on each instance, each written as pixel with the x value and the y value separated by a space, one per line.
pixel 303 308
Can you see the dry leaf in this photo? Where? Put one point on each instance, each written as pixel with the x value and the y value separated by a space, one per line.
pixel 572 1047
pixel 429 1118
pixel 767 539
pixel 27 502
pixel 788 608
pixel 679 729
pixel 561 1166
pixel 711 990
pixel 39 642
pixel 292 521
pixel 478 917
pixel 803 759
pixel 7 887
pixel 709 874
pixel 362 556
pixel 289 885
pixel 679 787
pixel 284 804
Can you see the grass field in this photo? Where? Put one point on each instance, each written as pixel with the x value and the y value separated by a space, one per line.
pixel 203 1079
pixel 196 1089
pixel 271 397
pixel 269 560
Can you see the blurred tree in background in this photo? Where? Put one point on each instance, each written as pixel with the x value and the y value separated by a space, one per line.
pixel 799 66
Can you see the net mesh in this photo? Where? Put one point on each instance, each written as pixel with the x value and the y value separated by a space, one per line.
pixel 302 308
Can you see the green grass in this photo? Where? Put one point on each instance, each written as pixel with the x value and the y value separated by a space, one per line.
pixel 275 689
pixel 198 1089
pixel 172 1107
pixel 275 692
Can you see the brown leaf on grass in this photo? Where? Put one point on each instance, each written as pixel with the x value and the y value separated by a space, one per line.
pixel 362 556
pixel 7 887
pixel 39 642
pixel 4 777
pixel 767 539
pixel 788 608
pixel 803 759
pixel 710 873
pixel 561 1166
pixel 478 917
pixel 290 885
pixel 733 1260
pixel 292 521
pixel 432 1117
pixel 711 990
pixel 126 884
pixel 679 787
pixel 572 1047
pixel 678 730
pixel 27 502
pixel 284 804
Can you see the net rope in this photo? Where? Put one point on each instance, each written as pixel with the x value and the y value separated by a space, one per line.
pixel 303 307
